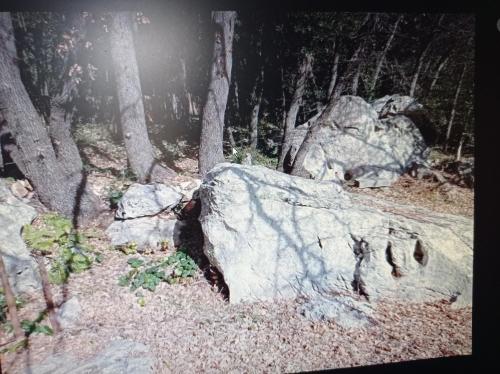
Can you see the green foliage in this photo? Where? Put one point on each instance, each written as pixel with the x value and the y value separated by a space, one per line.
pixel 258 158
pixel 114 196
pixel 33 327
pixel 149 275
pixel 55 236
pixel 128 249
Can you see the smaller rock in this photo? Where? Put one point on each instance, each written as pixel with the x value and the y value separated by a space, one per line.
pixel 69 312
pixel 345 311
pixel 146 232
pixel 147 200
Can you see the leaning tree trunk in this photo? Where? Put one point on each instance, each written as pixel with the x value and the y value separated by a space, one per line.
pixel 335 72
pixel 212 126
pixel 34 154
pixel 436 75
pixel 454 108
pixel 132 118
pixel 256 102
pixel 293 110
pixel 382 55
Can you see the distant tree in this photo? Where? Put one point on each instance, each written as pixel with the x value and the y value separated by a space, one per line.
pixel 212 127
pixel 128 88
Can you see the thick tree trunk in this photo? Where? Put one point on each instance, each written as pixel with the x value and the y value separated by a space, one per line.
pixel 382 55
pixel 291 116
pixel 212 127
pixel 256 102
pixel 128 86
pixel 454 108
pixel 34 153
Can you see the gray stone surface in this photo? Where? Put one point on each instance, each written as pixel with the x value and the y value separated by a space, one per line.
pixel 345 311
pixel 142 200
pixel 14 214
pixel 272 235
pixel 120 357
pixel 355 144
pixel 69 313
pixel 145 231
pixel 397 104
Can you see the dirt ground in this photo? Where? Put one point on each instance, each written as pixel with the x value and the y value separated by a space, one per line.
pixel 191 327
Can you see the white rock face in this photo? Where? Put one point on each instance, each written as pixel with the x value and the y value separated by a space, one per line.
pixel 272 236
pixel 69 313
pixel 21 268
pixel 119 357
pixel 142 200
pixel 355 144
pixel 145 231
pixel 397 104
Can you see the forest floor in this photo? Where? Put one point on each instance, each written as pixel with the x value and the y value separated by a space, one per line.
pixel 191 327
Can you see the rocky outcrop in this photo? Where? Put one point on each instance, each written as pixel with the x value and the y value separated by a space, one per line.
pixel 21 267
pixel 272 236
pixel 142 200
pixel 354 144
pixel 138 220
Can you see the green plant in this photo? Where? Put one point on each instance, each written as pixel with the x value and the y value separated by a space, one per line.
pixel 114 196
pixel 128 249
pixel 148 276
pixel 258 158
pixel 55 236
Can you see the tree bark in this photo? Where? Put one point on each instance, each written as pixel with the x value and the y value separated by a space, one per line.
pixel 34 153
pixel 132 118
pixel 291 116
pixel 381 58
pixel 212 127
pixel 335 72
pixel 10 300
pixel 256 100
pixel 438 72
pixel 454 107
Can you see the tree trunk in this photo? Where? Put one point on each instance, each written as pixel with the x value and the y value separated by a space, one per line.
pixel 128 86
pixel 421 59
pixel 438 72
pixel 256 100
pixel 33 153
pixel 381 58
pixel 212 127
pixel 454 108
pixel 335 72
pixel 355 81
pixel 291 116
pixel 10 299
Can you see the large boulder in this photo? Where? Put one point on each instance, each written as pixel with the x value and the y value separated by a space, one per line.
pixel 272 235
pixel 142 200
pixel 355 144
pixel 21 267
